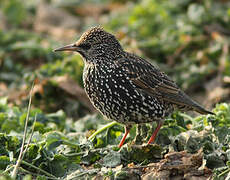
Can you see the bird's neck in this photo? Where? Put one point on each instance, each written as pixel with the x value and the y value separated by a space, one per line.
pixel 103 58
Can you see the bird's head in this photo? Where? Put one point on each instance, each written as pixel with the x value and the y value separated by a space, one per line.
pixel 95 45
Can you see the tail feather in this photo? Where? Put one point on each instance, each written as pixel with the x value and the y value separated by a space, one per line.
pixel 194 105
pixel 183 100
pixel 201 110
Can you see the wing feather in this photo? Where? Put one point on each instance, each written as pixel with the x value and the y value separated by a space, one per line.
pixel 148 79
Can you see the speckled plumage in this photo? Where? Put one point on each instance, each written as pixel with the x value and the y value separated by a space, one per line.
pixel 124 87
pixel 112 90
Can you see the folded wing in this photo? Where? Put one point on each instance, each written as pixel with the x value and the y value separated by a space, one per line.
pixel 148 79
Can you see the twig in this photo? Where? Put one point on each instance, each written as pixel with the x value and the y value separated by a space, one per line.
pixel 31 166
pixel 102 129
pixel 15 171
pixel 70 144
pixel 224 172
pixel 31 135
pixel 91 150
pixel 91 171
pixel 8 169
pixel 186 116
pixel 36 174
pixel 38 169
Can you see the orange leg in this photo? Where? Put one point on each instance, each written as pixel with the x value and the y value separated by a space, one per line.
pixel 159 124
pixel 127 129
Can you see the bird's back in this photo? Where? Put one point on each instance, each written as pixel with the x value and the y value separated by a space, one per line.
pixel 152 81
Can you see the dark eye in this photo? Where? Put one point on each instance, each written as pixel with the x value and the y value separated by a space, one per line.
pixel 85 46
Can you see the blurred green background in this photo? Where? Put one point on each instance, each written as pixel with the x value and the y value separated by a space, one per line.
pixel 189 40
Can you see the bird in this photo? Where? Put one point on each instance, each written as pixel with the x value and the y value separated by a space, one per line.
pixel 125 87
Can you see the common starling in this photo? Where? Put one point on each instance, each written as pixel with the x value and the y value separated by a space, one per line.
pixel 125 87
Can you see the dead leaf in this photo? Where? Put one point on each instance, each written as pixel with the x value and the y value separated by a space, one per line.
pixel 178 165
pixel 71 87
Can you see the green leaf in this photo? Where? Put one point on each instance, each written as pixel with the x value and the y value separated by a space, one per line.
pixel 112 159
pixel 53 140
pixel 196 13
pixel 59 165
pixel 3 101
pixel 4 162
pixel 15 12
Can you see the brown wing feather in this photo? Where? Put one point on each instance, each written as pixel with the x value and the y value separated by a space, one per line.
pixel 152 81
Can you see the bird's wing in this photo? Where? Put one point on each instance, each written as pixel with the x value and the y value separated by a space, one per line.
pixel 148 79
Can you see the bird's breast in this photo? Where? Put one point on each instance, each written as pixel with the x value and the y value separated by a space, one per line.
pixel 112 92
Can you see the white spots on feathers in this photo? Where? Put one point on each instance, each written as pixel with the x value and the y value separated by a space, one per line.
pixel 116 97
